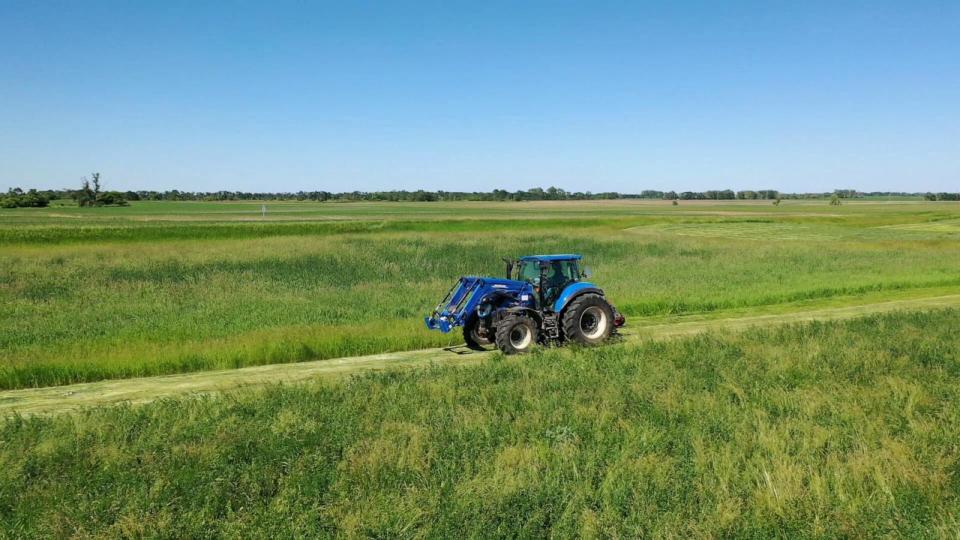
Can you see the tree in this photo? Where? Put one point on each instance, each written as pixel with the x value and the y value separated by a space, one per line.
pixel 87 196
pixel 17 198
pixel 835 200
pixel 111 198
pixel 536 194
pixel 555 194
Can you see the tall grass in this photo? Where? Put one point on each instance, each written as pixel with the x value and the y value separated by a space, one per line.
pixel 832 430
pixel 87 310
pixel 125 232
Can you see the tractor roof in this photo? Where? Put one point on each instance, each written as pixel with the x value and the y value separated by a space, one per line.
pixel 561 257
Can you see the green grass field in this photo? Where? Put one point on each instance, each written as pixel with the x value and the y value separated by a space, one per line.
pixel 840 429
pixel 165 287
pixel 805 429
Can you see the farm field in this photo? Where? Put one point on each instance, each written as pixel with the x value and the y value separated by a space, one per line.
pixel 785 371
pixel 170 287
pixel 60 399
pixel 838 429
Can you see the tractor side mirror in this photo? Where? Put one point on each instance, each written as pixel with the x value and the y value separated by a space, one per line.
pixel 587 273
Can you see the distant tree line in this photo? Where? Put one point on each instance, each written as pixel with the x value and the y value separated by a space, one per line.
pixel 90 194
pixel 942 196
pixel 534 194
pixel 17 198
pixel 721 195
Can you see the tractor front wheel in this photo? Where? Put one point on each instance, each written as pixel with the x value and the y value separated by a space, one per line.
pixel 516 334
pixel 588 320
pixel 472 336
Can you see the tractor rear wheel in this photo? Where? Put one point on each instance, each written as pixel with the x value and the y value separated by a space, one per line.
pixel 516 334
pixel 588 320
pixel 472 337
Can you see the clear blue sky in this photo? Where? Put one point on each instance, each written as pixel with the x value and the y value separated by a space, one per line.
pixel 277 96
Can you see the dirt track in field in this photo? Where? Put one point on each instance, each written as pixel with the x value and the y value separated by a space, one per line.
pixel 59 399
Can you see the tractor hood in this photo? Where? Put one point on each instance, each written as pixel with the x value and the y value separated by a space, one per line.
pixel 464 298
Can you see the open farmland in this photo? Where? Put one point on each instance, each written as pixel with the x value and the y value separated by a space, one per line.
pixel 737 404
pixel 167 287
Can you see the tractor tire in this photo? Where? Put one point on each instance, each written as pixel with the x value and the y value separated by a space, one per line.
pixel 517 334
pixel 472 338
pixel 588 320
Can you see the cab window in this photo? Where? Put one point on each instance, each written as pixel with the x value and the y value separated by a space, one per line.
pixel 560 272
pixel 529 271
pixel 556 272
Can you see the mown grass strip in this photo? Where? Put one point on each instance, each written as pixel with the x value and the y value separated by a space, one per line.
pixel 73 396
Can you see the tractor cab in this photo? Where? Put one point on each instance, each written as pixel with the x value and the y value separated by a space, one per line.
pixel 548 274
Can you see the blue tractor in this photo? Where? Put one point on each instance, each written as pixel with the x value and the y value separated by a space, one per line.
pixel 542 300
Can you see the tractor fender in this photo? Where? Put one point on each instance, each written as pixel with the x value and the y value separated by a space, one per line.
pixel 572 291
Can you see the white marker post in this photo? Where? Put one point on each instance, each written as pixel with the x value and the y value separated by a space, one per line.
pixel 263 210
